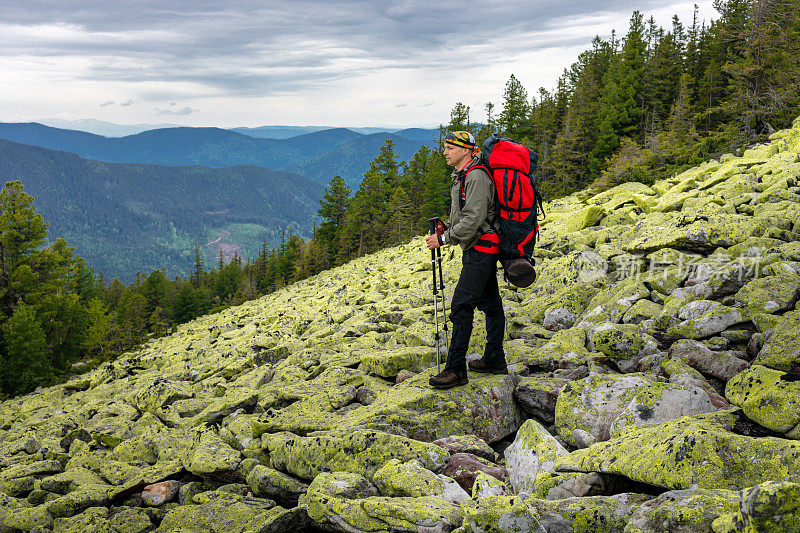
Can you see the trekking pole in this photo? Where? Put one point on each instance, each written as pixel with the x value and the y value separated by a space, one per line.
pixel 432 222
pixel 444 300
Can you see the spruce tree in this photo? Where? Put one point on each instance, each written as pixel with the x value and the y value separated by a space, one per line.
pixel 27 361
pixel 516 109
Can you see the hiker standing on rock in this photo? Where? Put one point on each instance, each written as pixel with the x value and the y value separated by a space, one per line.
pixel 473 206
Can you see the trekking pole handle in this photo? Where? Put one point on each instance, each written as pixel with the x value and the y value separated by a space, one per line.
pixel 432 223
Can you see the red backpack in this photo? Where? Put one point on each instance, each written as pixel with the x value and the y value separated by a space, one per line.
pixel 511 166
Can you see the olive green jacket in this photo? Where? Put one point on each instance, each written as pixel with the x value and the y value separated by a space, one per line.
pixel 480 207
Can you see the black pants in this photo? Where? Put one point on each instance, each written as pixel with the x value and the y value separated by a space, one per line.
pixel 476 288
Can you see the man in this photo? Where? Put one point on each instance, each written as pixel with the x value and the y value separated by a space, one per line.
pixel 473 207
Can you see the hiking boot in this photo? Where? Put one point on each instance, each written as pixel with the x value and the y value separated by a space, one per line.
pixel 478 365
pixel 447 379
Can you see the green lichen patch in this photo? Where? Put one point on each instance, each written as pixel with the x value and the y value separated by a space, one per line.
pixel 502 514
pixel 533 451
pixel 361 452
pixel 622 343
pixel 388 363
pixel 708 324
pixel 488 485
pixel 771 294
pixel 691 450
pixel 566 349
pixel 772 507
pixel 593 409
pixel 769 397
pixel 209 454
pixel 611 304
pixel 693 509
pixel 781 350
pixel 223 513
pixel 592 514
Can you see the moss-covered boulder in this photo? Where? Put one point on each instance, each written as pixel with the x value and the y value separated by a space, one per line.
pixel 566 349
pixel 533 451
pixel 595 408
pixel 209 454
pixel 700 450
pixel 768 397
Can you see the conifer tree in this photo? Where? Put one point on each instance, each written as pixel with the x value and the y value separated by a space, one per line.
pixel 516 109
pixel 27 361
pixel 333 207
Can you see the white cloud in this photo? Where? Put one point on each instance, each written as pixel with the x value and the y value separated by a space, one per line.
pixel 249 62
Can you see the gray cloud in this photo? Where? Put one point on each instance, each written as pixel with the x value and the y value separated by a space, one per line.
pixel 107 103
pixel 182 111
pixel 127 103
pixel 253 48
pixel 400 105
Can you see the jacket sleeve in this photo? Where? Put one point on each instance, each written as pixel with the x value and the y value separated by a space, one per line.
pixel 478 192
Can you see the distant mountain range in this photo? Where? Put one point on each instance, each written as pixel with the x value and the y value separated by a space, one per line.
pixel 111 129
pixel 318 155
pixel 124 217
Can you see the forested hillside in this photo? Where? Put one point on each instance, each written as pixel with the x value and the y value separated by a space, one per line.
pixel 125 218
pixel 318 155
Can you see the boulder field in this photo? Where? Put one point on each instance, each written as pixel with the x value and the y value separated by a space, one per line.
pixel 654 386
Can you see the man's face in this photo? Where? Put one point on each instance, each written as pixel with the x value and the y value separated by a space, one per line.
pixel 454 154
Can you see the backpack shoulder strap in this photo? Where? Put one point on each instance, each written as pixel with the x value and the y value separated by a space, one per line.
pixel 462 178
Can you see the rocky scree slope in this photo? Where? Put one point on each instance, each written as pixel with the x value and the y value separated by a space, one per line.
pixel 655 386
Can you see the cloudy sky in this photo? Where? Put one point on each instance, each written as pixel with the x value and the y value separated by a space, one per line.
pixel 299 62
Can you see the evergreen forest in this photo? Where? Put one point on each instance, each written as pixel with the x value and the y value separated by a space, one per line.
pixel 637 107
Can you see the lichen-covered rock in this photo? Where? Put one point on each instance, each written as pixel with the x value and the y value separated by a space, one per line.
pixel 682 374
pixel 465 467
pixel 388 363
pixel 769 397
pixel 210 455
pixel 76 501
pixel 275 485
pixel 700 450
pixel 538 394
pixel 378 513
pixel 487 485
pixel 70 480
pixel 224 512
pixel 361 452
pixel 27 518
pixel 693 509
pixel 611 304
pixel 642 310
pixel 722 365
pixel 592 514
pixel 501 514
pixel 625 344
pixel 411 479
pixel 534 451
pixel 716 320
pixel 771 507
pixel 771 294
pixel 467 444
pixel 593 409
pixel 551 486
pixel 782 350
